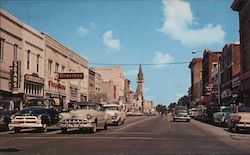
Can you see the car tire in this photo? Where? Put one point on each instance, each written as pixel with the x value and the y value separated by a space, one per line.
pixel 106 126
pixel 17 130
pixel 236 129
pixel 64 130
pixel 93 129
pixel 44 128
pixel 188 120
pixel 173 120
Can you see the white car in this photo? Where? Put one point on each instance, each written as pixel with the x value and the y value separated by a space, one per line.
pixel 220 117
pixel 84 115
pixel 118 116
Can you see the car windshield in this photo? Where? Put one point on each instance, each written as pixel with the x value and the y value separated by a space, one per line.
pixel 111 108
pixel 227 109
pixel 38 103
pixel 4 105
pixel 33 110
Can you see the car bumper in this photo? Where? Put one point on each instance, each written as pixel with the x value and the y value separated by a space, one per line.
pixel 242 125
pixel 80 125
pixel 11 126
pixel 181 118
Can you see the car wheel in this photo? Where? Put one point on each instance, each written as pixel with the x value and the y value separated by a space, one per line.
pixel 123 121
pixel 64 130
pixel 93 129
pixel 44 128
pixel 236 129
pixel 188 120
pixel 173 120
pixel 17 130
pixel 106 126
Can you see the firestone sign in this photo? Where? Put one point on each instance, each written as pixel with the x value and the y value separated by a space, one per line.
pixel 70 75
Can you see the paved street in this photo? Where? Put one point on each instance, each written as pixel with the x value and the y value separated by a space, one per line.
pixel 139 135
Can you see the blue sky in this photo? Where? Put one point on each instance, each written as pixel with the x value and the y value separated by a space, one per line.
pixel 136 31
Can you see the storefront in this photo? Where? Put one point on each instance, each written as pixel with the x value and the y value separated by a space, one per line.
pixel 57 93
pixel 33 86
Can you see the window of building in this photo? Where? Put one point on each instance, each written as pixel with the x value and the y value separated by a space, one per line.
pixel 56 67
pixel 49 67
pixel 28 59
pixel 1 48
pixel 37 62
pixel 63 68
pixel 15 52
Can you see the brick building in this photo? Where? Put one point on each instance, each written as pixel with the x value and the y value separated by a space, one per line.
pixel 209 63
pixel 196 76
pixel 243 7
pixel 230 74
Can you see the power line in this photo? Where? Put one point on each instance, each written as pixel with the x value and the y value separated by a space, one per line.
pixel 136 64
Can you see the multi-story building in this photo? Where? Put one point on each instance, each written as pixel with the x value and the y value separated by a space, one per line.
pixel 113 81
pixel 21 59
pixel 60 59
pixel 196 76
pixel 94 85
pixel 148 106
pixel 243 7
pixel 230 74
pixel 209 63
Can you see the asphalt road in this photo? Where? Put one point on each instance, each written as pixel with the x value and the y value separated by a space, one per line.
pixel 139 135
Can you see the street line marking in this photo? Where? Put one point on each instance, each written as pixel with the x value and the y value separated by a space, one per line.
pixel 133 133
pixel 132 124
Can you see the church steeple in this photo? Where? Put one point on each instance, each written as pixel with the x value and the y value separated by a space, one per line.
pixel 140 75
pixel 140 82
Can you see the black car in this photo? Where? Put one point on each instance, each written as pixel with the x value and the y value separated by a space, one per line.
pixel 8 108
pixel 38 117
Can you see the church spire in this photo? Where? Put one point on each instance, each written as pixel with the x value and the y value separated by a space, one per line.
pixel 140 74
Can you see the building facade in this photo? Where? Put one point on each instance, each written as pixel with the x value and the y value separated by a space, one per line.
pixel 113 82
pixel 210 62
pixel 243 7
pixel 230 74
pixel 94 86
pixel 60 59
pixel 21 59
pixel 196 76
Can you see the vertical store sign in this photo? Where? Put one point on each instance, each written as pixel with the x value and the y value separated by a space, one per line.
pixel 16 72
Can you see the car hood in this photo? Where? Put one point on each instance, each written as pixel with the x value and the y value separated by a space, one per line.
pixel 80 113
pixel 245 116
pixel 113 112
pixel 4 113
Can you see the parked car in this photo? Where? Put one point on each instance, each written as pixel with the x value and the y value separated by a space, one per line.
pixel 181 113
pixel 130 113
pixel 39 117
pixel 221 116
pixel 8 108
pixel 192 112
pixel 239 119
pixel 151 113
pixel 88 115
pixel 118 116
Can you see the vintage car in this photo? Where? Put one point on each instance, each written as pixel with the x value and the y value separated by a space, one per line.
pixel 239 118
pixel 193 112
pixel 8 108
pixel 118 116
pixel 84 115
pixel 39 117
pixel 181 113
pixel 221 116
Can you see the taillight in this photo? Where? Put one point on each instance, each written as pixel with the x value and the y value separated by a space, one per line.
pixel 239 117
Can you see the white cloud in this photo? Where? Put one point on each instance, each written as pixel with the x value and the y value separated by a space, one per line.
pixel 178 22
pixel 162 59
pixel 109 42
pixel 131 72
pixel 81 31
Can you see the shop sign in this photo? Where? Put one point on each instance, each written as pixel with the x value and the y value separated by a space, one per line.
pixel 70 75
pixel 16 72
pixel 34 78
pixel 59 86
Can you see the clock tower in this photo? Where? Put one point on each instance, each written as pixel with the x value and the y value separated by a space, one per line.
pixel 140 83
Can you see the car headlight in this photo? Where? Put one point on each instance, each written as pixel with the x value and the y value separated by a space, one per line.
pixel 39 116
pixel 60 116
pixel 89 116
pixel 12 117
